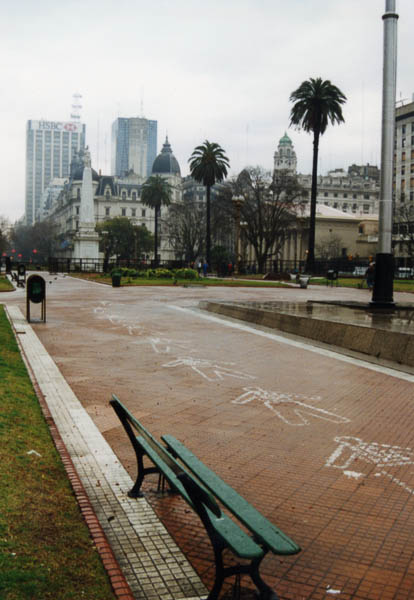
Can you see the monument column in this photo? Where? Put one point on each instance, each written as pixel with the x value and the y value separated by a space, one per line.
pixel 87 239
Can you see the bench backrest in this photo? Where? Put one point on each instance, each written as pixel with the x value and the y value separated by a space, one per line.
pixel 130 424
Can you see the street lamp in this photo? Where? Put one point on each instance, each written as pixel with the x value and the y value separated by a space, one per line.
pixel 382 296
pixel 238 202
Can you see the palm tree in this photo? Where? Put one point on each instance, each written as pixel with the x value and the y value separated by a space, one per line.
pixel 316 103
pixel 208 165
pixel 155 193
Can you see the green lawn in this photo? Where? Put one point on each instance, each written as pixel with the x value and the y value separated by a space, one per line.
pixel 400 285
pixel 5 284
pixel 45 548
pixel 208 281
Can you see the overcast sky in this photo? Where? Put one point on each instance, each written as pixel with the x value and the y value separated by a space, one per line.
pixel 221 70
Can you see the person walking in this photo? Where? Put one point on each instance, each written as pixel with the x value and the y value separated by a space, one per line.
pixel 370 275
pixel 205 267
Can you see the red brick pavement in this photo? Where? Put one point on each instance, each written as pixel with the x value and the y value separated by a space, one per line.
pixel 322 447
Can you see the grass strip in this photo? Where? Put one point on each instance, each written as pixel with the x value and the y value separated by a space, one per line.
pixel 46 551
pixel 5 285
pixel 203 281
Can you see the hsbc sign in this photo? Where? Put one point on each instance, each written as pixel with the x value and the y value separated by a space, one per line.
pixel 57 126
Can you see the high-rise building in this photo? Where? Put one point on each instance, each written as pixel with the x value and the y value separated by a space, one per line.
pixel 50 146
pixel 134 146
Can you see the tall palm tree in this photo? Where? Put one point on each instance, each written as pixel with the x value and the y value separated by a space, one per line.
pixel 155 193
pixel 316 103
pixel 208 165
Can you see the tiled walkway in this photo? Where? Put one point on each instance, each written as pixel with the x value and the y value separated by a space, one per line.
pixel 153 565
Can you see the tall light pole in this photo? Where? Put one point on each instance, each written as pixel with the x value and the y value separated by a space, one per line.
pixel 238 202
pixel 382 296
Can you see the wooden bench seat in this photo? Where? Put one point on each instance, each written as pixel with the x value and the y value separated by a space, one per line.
pixel 264 531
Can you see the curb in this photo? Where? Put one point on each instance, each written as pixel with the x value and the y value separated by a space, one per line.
pixel 116 577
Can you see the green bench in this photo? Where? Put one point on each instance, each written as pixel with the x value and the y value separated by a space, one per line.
pixel 201 488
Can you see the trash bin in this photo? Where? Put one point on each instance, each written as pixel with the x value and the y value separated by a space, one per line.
pixel 116 280
pixel 303 281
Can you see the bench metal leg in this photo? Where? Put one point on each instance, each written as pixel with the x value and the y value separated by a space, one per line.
pixel 265 591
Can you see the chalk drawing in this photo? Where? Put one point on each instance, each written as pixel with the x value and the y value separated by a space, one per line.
pixel 163 345
pixel 290 408
pixel 208 369
pixel 381 455
pixel 353 474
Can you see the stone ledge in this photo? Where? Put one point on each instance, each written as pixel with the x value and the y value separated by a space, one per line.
pixel 389 345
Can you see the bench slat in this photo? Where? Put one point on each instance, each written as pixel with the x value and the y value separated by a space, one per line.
pixel 237 540
pixel 266 533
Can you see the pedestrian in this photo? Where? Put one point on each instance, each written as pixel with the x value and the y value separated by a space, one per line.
pixel 205 267
pixel 370 275
pixel 199 267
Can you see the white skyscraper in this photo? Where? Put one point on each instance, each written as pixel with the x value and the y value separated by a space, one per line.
pixel 50 146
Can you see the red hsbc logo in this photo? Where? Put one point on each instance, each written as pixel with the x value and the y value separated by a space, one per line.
pixel 70 127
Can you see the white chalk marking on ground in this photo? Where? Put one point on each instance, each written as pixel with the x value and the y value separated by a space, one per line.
pixel 303 346
pixel 382 455
pixel 398 482
pixel 332 591
pixel 201 365
pixel 354 474
pixel 288 408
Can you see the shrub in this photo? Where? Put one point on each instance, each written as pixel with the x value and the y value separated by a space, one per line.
pixel 186 274
pixel 163 274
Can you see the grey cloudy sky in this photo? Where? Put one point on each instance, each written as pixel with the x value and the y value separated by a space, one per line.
pixel 221 70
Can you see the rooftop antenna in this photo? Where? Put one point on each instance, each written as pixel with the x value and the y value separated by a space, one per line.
pixel 76 108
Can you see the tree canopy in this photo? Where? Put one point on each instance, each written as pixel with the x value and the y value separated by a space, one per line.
pixel 316 104
pixel 117 237
pixel 155 193
pixel 208 165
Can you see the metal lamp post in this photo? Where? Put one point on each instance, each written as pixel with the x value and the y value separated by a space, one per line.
pixel 382 296
pixel 238 202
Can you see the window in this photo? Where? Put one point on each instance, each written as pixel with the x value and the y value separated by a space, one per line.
pixel 412 182
pixel 335 195
pixel 354 208
pixel 345 195
pixel 403 170
pixel 361 229
pixel 107 211
pixel 365 208
pixel 78 194
pixel 133 212
pixel 345 207
pixel 354 196
pixel 366 196
pixel 77 210
pixel 412 140
pixel 411 196
pixel 107 194
pixel 123 212
pixel 325 194
pixel 403 142
pixel 335 205
pixel 403 156
pixel 143 212
pixel 123 195
pixel 134 196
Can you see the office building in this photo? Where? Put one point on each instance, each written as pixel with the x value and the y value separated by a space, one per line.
pixel 50 146
pixel 134 146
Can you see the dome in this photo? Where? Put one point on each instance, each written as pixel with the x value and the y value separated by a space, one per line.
pixel 285 140
pixel 166 163
pixel 77 166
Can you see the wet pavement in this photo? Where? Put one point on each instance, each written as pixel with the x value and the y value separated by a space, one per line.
pixel 321 443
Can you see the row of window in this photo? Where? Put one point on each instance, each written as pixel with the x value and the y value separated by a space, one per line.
pixel 124 212
pixel 345 195
pixel 353 207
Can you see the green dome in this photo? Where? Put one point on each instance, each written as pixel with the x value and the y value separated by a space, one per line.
pixel 285 140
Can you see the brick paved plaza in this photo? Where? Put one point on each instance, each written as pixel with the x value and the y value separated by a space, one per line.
pixel 321 443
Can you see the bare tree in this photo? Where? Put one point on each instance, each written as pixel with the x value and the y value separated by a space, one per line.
pixel 329 247
pixel 269 211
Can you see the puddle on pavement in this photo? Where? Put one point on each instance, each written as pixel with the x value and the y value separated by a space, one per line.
pixel 401 320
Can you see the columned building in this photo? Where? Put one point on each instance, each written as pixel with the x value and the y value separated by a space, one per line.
pixel 50 147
